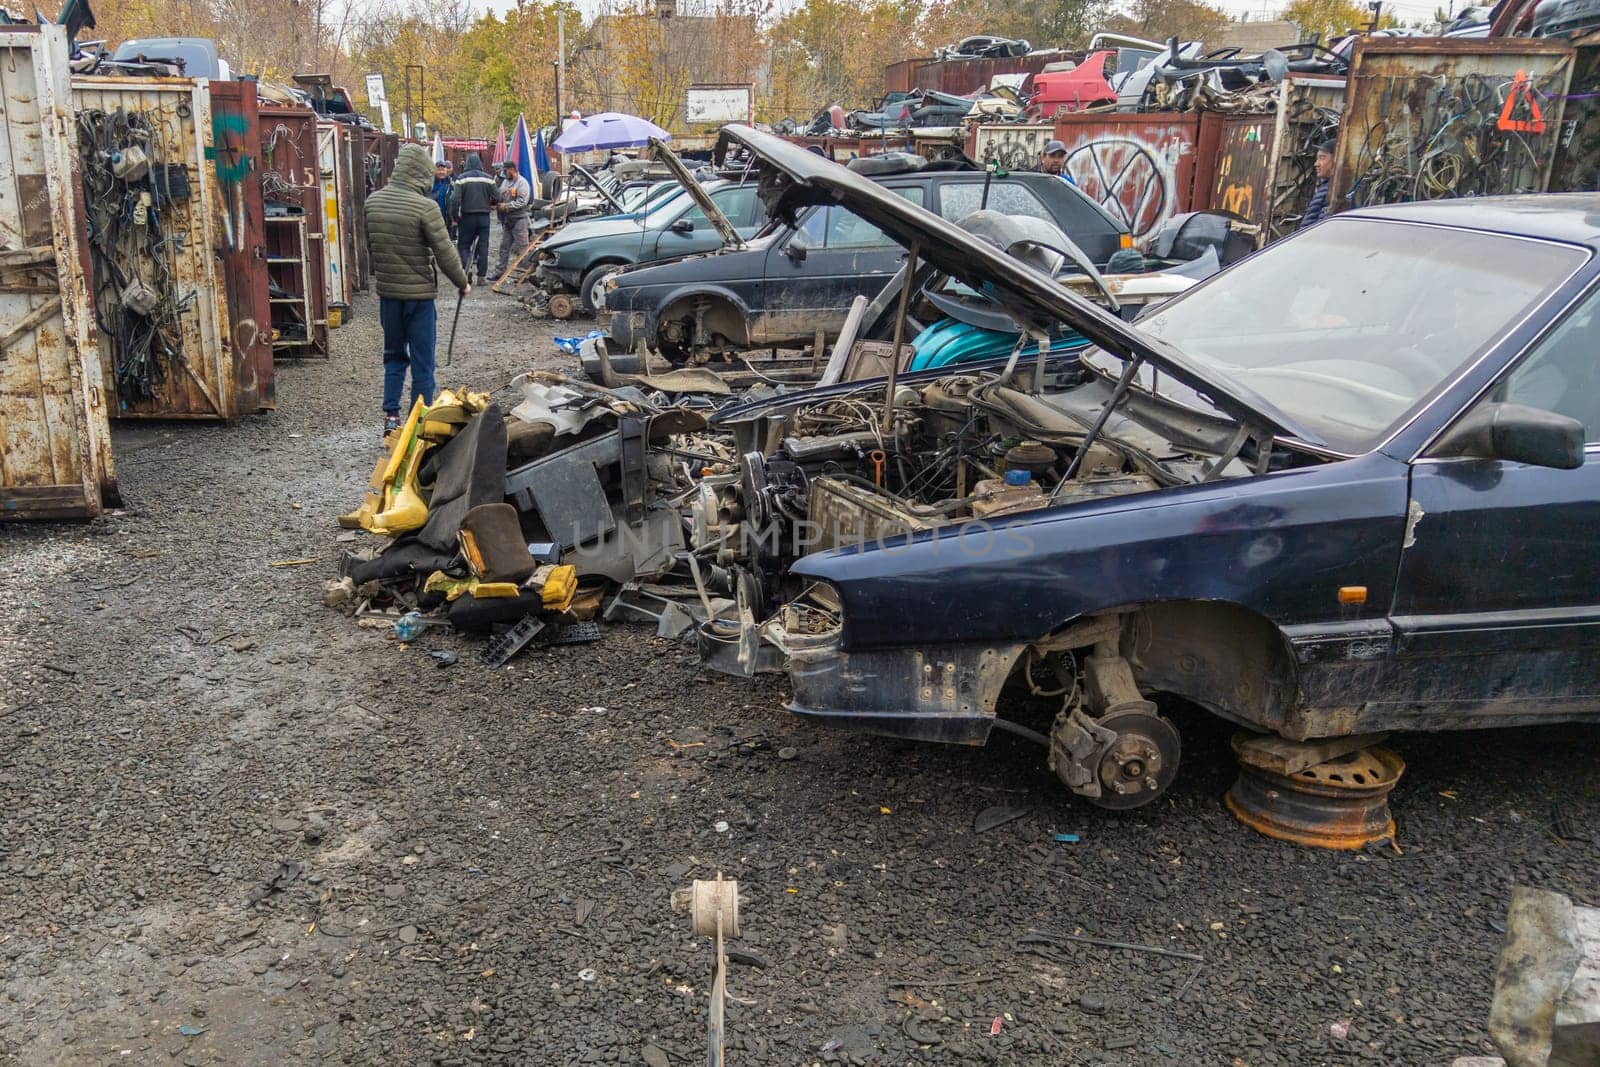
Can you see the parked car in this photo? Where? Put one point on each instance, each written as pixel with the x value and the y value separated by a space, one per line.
pixel 1344 486
pixel 797 280
pixel 584 254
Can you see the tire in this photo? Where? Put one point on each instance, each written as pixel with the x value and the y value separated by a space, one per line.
pixel 588 288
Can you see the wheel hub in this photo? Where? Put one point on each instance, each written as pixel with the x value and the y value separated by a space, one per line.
pixel 1140 764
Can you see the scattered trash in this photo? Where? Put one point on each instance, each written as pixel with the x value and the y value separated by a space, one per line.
pixel 409 626
pixel 991 817
pixel 720 826
pixel 192 1031
pixel 293 562
pixel 443 657
pixel 1339 1030
pixel 787 753
pixel 921 1031
pixel 337 592
pixel 994 1027
pixel 587 975
pixel 1036 937
pixel 1067 839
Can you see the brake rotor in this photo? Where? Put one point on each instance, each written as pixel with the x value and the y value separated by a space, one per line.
pixel 1139 765
pixel 1342 803
pixel 562 306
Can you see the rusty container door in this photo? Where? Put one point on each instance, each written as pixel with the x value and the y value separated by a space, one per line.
pixel 1140 167
pixel 337 261
pixel 1233 165
pixel 236 131
pixel 1014 146
pixel 55 442
pixel 291 185
pixel 1435 118
pixel 193 366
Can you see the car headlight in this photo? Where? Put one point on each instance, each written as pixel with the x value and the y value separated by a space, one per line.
pixel 548 255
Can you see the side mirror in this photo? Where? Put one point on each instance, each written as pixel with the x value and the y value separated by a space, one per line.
pixel 1517 433
pixel 796 248
pixel 682 226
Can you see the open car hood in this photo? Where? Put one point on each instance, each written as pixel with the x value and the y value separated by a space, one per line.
pixel 697 192
pixel 793 178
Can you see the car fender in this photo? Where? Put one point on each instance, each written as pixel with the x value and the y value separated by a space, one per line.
pixel 660 307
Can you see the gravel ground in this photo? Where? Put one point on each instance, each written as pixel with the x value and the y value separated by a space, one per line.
pixel 240 829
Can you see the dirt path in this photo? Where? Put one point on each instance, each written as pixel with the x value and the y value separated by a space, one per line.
pixel 239 829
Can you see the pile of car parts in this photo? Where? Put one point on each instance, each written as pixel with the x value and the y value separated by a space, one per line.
pixel 1339 802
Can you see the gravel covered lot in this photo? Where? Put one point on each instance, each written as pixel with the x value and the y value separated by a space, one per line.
pixel 237 828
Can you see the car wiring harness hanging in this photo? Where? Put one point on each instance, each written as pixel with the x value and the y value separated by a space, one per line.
pixel 128 188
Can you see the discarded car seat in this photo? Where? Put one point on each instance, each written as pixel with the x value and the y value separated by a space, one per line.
pixel 493 545
pixel 469 471
pixel 470 613
pixel 405 556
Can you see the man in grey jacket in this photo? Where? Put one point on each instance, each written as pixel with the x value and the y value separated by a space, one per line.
pixel 409 245
pixel 516 198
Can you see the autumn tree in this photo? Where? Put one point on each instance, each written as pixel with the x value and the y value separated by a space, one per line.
pixel 1327 19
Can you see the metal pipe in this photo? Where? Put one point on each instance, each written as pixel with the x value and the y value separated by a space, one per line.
pixel 899 336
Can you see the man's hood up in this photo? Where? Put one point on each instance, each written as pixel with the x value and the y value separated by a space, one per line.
pixel 413 169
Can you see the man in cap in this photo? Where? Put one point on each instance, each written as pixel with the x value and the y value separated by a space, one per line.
pixel 515 200
pixel 1317 209
pixel 409 246
pixel 1053 160
pixel 443 182
pixel 471 202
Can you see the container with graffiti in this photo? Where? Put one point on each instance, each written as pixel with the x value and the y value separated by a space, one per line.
pixel 1140 167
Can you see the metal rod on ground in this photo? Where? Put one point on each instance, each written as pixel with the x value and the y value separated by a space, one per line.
pixel 1100 942
pixel 899 336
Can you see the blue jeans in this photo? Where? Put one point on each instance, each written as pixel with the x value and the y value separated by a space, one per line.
pixel 408 339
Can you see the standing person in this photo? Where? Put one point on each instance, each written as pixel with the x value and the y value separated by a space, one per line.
pixel 515 200
pixel 1317 209
pixel 443 183
pixel 409 246
pixel 471 201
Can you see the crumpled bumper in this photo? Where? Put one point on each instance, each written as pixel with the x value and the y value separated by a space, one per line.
pixel 555 280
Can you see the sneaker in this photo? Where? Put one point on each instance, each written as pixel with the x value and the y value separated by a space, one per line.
pixel 391 423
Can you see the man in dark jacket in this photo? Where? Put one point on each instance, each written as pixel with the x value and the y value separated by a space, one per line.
pixel 472 202
pixel 443 181
pixel 409 245
pixel 1317 209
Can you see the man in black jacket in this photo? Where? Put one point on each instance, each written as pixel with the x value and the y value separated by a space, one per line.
pixel 472 201
pixel 1317 209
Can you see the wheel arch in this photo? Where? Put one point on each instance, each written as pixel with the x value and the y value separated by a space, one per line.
pixel 727 310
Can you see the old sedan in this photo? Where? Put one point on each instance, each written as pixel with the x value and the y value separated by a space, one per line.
pixel 1338 488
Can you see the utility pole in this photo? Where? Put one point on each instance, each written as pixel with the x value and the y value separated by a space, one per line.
pixel 1377 11
pixel 561 62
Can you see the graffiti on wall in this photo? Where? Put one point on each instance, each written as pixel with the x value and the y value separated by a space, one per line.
pixel 1133 176
pixel 1012 147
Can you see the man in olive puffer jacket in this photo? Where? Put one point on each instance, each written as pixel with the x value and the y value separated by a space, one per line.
pixel 409 245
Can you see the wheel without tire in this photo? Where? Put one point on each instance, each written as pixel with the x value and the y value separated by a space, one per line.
pixel 1140 764
pixel 562 306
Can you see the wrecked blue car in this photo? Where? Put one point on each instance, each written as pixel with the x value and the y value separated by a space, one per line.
pixel 1338 488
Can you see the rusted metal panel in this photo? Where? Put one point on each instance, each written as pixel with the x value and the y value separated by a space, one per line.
pixel 55 442
pixel 1423 119
pixel 338 259
pixel 198 380
pixel 236 129
pixel 963 76
pixel 1309 113
pixel 1014 146
pixel 291 180
pixel 1577 162
pixel 898 77
pixel 1139 166
pixel 356 167
pixel 847 148
pixel 1233 166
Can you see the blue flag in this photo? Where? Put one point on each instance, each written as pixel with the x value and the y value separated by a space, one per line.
pixel 541 158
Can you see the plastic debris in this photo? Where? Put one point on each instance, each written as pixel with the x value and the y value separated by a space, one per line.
pixel 1067 839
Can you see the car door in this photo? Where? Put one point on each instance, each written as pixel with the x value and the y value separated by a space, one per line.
pixel 816 271
pixel 692 232
pixel 1497 607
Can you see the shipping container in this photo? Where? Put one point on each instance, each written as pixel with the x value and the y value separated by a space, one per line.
pixel 236 125
pixel 971 75
pixel 1140 167
pixel 178 361
pixel 55 446
pixel 296 262
pixel 1431 118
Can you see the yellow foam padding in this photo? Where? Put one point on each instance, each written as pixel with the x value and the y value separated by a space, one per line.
pixel 469 549
pixel 455 588
pixel 560 586
pixel 402 445
pixel 404 509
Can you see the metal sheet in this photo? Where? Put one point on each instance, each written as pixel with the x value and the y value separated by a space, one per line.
pixel 332 158
pixel 963 76
pixel 1421 119
pixel 1233 164
pixel 1139 166
pixel 360 184
pixel 201 383
pixel 291 174
pixel 236 129
pixel 55 442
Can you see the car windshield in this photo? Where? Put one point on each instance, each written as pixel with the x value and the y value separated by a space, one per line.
pixel 1347 327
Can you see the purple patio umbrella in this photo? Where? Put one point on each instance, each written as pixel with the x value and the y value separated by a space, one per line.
pixel 608 129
